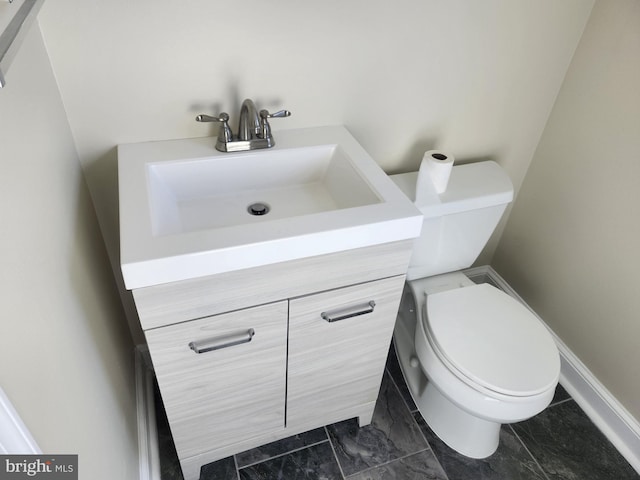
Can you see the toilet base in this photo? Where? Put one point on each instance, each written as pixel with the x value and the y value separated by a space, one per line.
pixel 467 434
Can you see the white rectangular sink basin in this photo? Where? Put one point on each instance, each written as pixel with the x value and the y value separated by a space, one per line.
pixel 217 192
pixel 188 211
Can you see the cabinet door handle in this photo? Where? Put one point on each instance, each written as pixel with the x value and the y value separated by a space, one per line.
pixel 223 341
pixel 349 312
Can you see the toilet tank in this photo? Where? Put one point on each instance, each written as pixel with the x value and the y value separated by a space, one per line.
pixel 457 223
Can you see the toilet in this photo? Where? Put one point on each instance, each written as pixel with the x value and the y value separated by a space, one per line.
pixel 473 357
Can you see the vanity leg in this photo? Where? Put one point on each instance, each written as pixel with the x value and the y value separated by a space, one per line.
pixel 190 469
pixel 365 418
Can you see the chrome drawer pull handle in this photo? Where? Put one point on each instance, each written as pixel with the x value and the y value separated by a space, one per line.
pixel 349 312
pixel 224 341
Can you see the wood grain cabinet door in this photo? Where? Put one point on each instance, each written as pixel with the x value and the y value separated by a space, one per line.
pixel 223 377
pixel 338 344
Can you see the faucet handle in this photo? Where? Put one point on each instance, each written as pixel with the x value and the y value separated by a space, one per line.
pixel 264 124
pixel 264 114
pixel 225 134
pixel 223 117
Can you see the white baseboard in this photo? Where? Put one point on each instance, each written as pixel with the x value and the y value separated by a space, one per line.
pixel 15 438
pixel 619 426
pixel 606 412
pixel 149 456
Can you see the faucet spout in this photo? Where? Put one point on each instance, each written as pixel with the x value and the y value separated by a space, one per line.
pixel 249 127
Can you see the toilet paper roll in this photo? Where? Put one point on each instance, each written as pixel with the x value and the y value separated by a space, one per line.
pixel 435 168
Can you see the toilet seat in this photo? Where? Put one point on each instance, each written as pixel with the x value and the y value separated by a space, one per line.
pixel 491 341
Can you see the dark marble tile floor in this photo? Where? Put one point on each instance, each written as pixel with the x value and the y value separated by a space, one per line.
pixel 561 443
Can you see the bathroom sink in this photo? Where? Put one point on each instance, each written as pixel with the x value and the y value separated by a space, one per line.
pixel 187 210
pixel 239 189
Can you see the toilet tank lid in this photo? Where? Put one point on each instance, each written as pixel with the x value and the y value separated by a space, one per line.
pixel 471 186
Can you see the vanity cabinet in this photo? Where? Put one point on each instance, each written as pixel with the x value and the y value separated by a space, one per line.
pixel 283 348
pixel 223 377
pixel 338 343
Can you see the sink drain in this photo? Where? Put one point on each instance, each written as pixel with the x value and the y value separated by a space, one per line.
pixel 258 208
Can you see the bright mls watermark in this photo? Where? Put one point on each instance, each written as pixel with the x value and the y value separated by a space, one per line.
pixel 50 467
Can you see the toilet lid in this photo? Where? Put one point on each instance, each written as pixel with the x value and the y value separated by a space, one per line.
pixel 490 338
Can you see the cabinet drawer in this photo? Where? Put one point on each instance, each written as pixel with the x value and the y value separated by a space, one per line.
pixel 234 388
pixel 338 343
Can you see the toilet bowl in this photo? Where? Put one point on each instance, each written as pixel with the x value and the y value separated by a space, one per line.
pixel 473 357
pixel 483 357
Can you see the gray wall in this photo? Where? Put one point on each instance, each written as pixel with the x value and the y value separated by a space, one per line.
pixel 65 350
pixel 571 246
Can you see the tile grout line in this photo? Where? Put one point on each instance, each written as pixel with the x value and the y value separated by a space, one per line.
pixel 235 462
pixel 335 455
pixel 513 430
pixel 421 432
pixel 411 412
pixel 399 391
pixel 282 454
pixel 388 462
pixel 435 457
pixel 560 402
pixel 415 421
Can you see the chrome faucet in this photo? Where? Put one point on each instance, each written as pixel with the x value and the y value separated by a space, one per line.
pixel 254 130
pixel 249 126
